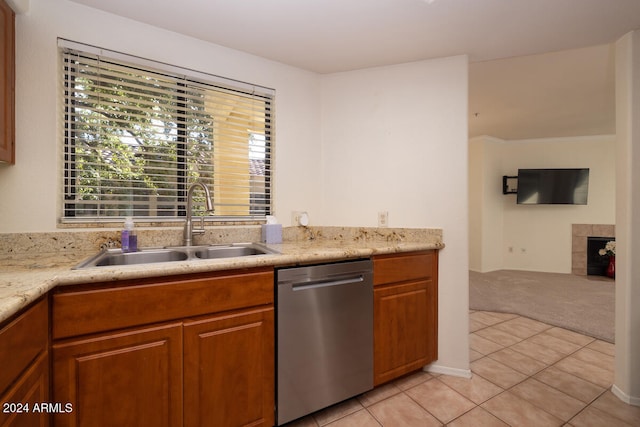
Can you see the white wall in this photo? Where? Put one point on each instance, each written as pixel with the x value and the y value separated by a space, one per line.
pixel 485 204
pixel 395 139
pixel 30 190
pixel 538 237
pixel 19 6
pixel 627 364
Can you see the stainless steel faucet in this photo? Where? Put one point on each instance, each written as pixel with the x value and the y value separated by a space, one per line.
pixel 189 231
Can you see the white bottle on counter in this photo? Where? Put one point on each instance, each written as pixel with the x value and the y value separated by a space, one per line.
pixel 129 236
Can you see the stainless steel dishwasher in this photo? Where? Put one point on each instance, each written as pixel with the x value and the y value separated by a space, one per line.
pixel 324 336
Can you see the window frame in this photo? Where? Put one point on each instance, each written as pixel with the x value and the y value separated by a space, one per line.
pixel 69 214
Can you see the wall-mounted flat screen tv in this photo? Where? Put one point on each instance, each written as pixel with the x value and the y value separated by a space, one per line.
pixel 553 186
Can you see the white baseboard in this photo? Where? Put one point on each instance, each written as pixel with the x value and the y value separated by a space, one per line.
pixel 445 370
pixel 631 400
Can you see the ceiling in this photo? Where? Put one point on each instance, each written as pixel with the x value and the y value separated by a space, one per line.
pixel 557 94
pixel 328 36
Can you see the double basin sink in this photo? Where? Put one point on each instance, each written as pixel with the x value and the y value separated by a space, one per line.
pixel 115 257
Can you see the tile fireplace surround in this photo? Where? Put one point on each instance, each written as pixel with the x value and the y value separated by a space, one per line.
pixel 579 235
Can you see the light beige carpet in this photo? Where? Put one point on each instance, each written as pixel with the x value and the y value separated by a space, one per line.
pixel 583 304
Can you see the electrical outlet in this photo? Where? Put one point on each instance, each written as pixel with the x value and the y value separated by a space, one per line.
pixel 383 219
pixel 295 218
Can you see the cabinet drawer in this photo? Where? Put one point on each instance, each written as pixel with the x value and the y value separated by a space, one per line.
pixel 21 341
pixel 86 311
pixel 402 267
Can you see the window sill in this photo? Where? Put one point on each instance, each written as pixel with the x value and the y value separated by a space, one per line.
pixel 146 223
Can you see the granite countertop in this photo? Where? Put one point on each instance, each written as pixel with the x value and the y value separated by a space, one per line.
pixel 24 278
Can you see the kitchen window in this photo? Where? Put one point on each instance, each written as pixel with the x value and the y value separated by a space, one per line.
pixel 137 133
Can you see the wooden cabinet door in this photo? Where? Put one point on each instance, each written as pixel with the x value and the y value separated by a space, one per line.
pixel 22 404
pixel 7 83
pixel 22 341
pixel 229 364
pixel 405 338
pixel 126 378
pixel 24 368
pixel 405 313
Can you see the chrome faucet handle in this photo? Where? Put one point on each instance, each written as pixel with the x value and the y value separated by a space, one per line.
pixel 200 230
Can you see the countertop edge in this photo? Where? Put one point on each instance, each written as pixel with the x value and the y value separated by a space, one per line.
pixel 19 289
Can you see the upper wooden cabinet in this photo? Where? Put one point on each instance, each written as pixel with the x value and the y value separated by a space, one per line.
pixel 7 83
pixel 405 313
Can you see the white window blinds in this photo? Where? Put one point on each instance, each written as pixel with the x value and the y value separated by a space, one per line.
pixel 137 133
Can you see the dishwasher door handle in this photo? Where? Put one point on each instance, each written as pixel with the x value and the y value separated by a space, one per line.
pixel 326 283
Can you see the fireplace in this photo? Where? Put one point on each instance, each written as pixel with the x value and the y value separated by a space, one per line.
pixel 596 263
pixel 580 234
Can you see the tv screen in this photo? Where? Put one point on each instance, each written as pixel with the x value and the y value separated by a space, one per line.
pixel 553 186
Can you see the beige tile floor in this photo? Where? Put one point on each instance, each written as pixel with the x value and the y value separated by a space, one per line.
pixel 525 373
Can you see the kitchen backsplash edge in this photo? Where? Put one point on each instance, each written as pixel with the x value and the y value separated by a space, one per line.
pixel 93 241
